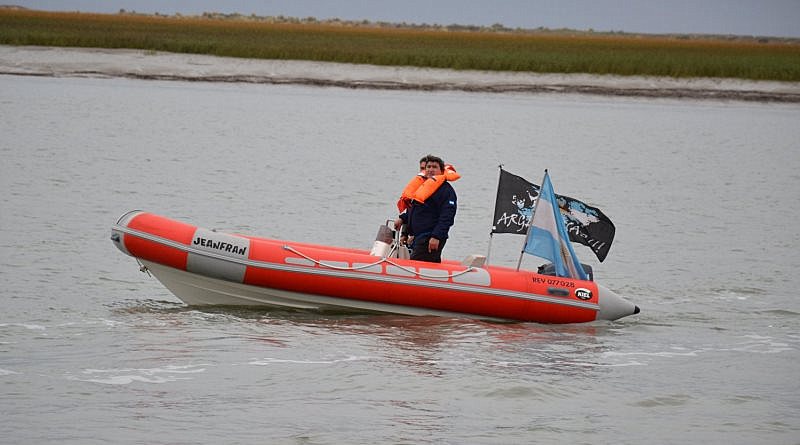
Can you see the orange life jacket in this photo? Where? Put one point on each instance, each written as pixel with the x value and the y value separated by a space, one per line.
pixel 420 188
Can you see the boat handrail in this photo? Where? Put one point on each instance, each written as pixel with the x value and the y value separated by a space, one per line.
pixel 410 270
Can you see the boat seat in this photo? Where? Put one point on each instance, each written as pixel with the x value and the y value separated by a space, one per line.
pixel 474 260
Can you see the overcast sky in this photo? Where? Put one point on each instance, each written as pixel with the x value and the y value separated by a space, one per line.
pixel 779 18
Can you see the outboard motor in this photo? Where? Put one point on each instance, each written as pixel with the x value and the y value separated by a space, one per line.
pixel 550 269
pixel 383 242
pixel 387 242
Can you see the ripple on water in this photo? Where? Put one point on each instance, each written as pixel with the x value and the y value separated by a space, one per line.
pixel 674 400
pixel 126 376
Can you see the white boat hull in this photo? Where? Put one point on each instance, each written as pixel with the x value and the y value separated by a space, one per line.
pixel 199 290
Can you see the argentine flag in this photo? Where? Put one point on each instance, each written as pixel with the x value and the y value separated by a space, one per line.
pixel 547 237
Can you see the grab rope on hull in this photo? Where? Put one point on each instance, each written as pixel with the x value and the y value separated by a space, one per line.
pixel 382 260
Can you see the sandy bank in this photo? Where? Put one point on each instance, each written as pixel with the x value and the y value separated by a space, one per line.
pixel 87 62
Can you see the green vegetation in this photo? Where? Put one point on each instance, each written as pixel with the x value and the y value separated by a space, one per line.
pixel 494 48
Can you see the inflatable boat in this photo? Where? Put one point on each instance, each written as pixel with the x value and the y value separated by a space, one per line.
pixel 206 267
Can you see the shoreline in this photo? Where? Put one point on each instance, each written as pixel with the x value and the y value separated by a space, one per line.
pixel 149 65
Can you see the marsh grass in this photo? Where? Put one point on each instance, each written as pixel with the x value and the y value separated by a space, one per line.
pixel 475 50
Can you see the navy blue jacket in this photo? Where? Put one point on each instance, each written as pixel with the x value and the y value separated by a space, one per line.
pixel 435 216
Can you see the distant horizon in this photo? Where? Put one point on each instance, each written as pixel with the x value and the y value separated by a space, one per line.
pixel 378 23
pixel 745 18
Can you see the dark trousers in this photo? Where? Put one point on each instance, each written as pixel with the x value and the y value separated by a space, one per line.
pixel 420 251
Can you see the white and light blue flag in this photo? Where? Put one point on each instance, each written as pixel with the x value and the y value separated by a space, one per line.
pixel 548 238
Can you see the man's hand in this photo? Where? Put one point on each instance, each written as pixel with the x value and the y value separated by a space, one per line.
pixel 433 244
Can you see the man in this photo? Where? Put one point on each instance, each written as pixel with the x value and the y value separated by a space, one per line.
pixel 416 182
pixel 431 212
pixel 408 194
pixel 422 163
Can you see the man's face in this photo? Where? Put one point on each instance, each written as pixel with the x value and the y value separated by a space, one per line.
pixel 432 169
pixel 422 167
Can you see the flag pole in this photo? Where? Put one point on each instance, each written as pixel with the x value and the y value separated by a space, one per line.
pixel 530 223
pixel 491 232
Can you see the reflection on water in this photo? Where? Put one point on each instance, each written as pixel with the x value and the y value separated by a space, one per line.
pixel 432 346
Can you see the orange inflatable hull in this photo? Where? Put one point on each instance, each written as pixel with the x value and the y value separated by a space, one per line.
pixel 204 267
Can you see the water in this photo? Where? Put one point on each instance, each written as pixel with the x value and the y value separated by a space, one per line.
pixel 704 196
